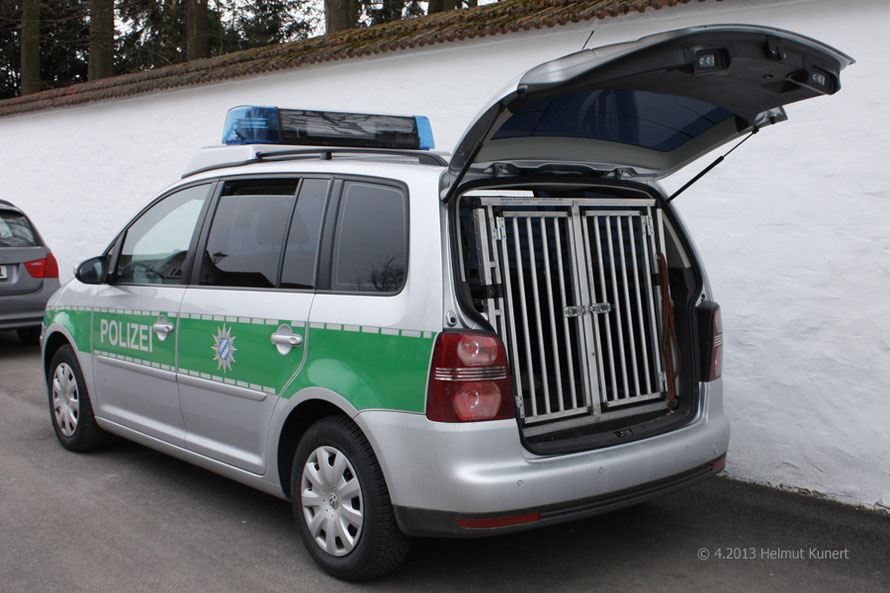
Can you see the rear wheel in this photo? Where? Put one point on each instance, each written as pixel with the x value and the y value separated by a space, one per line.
pixel 28 335
pixel 69 405
pixel 341 503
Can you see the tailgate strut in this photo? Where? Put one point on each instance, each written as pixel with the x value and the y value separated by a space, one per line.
pixel 707 169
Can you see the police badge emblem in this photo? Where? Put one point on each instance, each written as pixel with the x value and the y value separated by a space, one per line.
pixel 224 348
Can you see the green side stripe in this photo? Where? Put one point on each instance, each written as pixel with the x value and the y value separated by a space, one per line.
pixel 372 370
pixel 373 367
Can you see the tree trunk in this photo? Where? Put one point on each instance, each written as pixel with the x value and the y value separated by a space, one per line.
pixel 197 30
pixel 101 63
pixel 441 5
pixel 340 15
pixel 30 46
pixel 391 10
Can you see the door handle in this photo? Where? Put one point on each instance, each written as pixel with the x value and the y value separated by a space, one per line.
pixel 292 339
pixel 284 339
pixel 162 327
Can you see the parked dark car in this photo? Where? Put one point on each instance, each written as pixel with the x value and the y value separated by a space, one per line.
pixel 29 274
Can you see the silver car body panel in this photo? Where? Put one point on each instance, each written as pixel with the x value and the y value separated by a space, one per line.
pixel 226 420
pixel 487 469
pixel 131 394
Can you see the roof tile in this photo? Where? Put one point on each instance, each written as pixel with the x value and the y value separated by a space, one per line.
pixel 444 27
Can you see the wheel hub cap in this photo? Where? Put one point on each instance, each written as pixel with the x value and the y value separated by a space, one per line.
pixel 331 496
pixel 65 399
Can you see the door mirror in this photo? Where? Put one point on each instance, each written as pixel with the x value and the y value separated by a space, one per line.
pixel 92 271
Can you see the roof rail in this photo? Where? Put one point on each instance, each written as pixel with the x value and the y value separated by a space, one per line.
pixel 259 156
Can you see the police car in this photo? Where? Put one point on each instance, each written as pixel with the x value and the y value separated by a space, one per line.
pixel 407 343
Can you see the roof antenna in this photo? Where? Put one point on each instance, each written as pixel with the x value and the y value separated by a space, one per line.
pixel 589 37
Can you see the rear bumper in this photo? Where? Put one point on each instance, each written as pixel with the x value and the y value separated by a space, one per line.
pixel 20 320
pixel 26 310
pixel 437 472
pixel 428 523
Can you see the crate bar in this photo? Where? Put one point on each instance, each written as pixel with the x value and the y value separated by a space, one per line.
pixel 537 303
pixel 554 344
pixel 608 337
pixel 586 347
pixel 637 399
pixel 639 300
pixel 568 202
pixel 628 312
pixel 592 326
pixel 524 310
pixel 570 355
pixel 573 422
pixel 654 297
pixel 510 315
pixel 616 307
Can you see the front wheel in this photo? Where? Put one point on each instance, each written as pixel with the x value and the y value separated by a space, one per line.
pixel 341 503
pixel 69 405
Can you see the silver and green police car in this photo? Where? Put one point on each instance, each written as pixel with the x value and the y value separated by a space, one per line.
pixel 407 343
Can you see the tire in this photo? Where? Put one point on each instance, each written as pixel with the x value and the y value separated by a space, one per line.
pixel 344 514
pixel 69 405
pixel 28 335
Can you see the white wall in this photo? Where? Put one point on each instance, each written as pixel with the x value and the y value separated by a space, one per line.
pixel 793 227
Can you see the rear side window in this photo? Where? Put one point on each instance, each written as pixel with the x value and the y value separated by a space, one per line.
pixel 371 240
pixel 299 269
pixel 15 231
pixel 247 234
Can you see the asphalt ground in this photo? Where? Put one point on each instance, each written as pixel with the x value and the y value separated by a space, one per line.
pixel 131 519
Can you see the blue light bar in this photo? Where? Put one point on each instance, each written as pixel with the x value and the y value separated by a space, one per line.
pixel 249 124
pixel 252 124
pixel 424 132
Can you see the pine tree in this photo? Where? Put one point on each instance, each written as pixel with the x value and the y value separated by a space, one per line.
pixel 101 57
pixel 30 47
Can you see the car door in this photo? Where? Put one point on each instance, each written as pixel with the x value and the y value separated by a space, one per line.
pixel 135 317
pixel 243 318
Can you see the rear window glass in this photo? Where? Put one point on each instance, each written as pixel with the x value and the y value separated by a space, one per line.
pixel 246 238
pixel 15 231
pixel 371 242
pixel 640 118
pixel 300 254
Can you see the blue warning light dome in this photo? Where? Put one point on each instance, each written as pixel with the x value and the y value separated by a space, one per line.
pixel 254 124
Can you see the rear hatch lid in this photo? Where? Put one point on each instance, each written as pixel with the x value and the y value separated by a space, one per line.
pixel 648 107
pixel 19 244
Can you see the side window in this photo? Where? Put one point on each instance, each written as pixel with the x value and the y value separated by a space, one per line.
pixel 156 245
pixel 300 254
pixel 247 233
pixel 371 240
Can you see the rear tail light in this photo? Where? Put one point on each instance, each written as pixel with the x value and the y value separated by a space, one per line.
pixel 711 335
pixel 52 267
pixel 469 380
pixel 47 267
